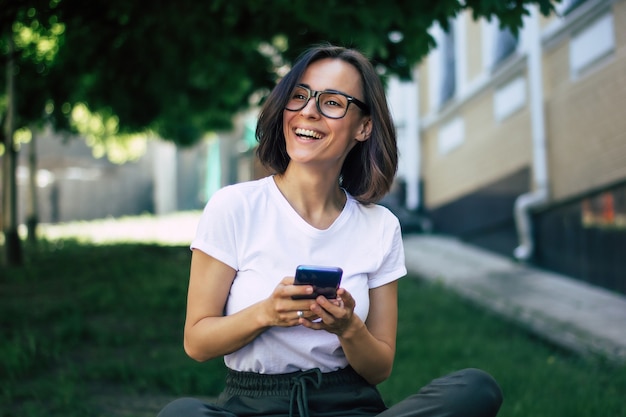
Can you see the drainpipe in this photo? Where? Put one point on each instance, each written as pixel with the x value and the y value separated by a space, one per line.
pixel 540 193
pixel 413 148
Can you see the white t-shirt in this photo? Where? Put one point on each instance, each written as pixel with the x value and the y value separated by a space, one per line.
pixel 252 228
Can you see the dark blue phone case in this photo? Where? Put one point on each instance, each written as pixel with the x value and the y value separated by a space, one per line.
pixel 324 279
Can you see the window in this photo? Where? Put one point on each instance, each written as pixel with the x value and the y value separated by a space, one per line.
pixel 569 5
pixel 591 44
pixel 505 45
pixel 509 98
pixel 451 136
pixel 448 81
pixel 497 44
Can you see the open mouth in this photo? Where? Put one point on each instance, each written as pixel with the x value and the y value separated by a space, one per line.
pixel 307 134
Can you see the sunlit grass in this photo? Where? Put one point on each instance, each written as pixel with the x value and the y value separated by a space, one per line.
pixel 172 229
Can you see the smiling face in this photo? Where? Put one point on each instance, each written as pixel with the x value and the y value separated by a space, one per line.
pixel 310 137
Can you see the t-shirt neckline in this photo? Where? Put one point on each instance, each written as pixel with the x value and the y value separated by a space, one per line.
pixel 288 209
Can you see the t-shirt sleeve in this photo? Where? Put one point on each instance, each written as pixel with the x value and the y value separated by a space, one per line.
pixel 392 266
pixel 216 233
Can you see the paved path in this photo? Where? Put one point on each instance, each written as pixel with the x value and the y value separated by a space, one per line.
pixel 568 312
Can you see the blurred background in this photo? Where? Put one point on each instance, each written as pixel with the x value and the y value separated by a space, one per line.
pixel 510 115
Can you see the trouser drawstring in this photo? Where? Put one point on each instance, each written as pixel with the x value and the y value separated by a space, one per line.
pixel 299 390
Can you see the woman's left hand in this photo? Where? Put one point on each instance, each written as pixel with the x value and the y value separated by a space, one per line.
pixel 335 315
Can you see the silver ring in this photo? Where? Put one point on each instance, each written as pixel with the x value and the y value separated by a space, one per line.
pixel 300 314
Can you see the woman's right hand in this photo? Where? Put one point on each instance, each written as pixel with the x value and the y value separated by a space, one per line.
pixel 282 310
pixel 210 334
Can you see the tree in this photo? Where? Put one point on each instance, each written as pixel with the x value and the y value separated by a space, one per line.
pixel 9 214
pixel 24 69
pixel 183 68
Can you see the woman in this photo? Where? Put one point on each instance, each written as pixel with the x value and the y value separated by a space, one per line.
pixel 326 132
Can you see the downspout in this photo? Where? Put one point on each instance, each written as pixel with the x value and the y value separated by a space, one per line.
pixel 413 150
pixel 540 193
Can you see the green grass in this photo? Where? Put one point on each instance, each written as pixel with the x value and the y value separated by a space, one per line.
pixel 440 332
pixel 80 320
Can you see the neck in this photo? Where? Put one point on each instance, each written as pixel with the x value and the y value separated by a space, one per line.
pixel 317 199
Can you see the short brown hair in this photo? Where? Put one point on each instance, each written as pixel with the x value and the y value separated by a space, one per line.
pixel 369 168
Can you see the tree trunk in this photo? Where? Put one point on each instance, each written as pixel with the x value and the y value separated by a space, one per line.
pixel 12 243
pixel 32 215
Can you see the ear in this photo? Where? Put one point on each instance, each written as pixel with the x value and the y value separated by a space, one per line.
pixel 364 130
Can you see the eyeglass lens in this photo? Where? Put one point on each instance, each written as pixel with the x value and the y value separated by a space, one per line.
pixel 331 105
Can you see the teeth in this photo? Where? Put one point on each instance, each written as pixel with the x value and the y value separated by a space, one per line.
pixel 308 133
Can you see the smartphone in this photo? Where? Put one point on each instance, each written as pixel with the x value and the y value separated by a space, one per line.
pixel 324 279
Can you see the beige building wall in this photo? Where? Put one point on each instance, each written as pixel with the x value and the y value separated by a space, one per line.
pixel 423 81
pixel 477 150
pixel 586 118
pixel 474 55
pixel 585 123
pixel 490 151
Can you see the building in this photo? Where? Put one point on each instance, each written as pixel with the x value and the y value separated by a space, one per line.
pixel 521 139
pixel 71 184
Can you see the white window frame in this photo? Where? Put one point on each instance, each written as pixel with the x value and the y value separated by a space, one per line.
pixel 434 69
pixel 460 33
pixel 591 45
pixel 490 33
pixel 435 62
pixel 451 135
pixel 509 98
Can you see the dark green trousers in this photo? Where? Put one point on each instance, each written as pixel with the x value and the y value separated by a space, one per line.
pixel 466 393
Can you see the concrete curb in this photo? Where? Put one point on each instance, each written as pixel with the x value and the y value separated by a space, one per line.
pixel 580 317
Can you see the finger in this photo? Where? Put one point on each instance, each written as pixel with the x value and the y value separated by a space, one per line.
pixel 346 297
pixel 315 323
pixel 300 291
pixel 324 313
pixel 287 281
pixel 286 289
pixel 334 306
pixel 296 317
pixel 283 288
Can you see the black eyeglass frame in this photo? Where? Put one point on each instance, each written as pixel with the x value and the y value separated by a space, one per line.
pixel 316 94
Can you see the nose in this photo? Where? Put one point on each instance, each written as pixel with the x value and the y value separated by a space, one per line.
pixel 310 108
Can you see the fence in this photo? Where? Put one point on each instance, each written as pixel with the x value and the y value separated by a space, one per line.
pixel 586 238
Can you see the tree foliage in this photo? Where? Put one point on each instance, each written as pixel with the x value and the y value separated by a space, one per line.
pixel 183 68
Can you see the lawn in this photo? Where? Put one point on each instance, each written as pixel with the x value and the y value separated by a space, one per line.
pixel 96 330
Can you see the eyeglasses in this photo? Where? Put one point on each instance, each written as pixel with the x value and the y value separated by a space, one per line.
pixel 330 103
